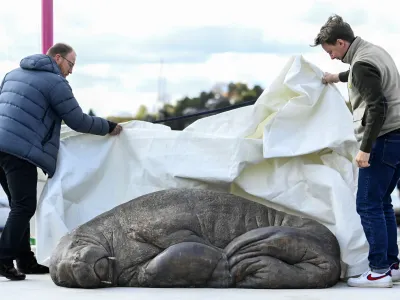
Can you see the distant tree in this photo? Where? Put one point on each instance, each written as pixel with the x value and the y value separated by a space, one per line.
pixel 141 113
pixel 219 96
pixel 258 89
pixel 91 113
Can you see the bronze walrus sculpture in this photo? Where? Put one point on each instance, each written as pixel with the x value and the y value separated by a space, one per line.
pixel 196 238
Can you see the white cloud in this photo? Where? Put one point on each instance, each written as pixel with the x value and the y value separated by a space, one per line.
pixel 105 102
pixel 112 69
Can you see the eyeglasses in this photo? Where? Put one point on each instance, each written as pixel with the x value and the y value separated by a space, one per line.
pixel 70 63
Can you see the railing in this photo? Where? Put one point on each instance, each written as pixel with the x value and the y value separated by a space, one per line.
pixel 218 110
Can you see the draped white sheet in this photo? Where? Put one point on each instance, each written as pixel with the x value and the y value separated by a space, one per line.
pixel 293 151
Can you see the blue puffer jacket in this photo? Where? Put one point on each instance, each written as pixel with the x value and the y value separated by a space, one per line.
pixel 34 99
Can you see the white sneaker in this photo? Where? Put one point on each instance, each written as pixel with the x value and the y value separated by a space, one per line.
pixel 394 268
pixel 372 279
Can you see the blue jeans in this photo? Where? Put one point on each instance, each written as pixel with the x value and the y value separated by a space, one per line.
pixel 374 203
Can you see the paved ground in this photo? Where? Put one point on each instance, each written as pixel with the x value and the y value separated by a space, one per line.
pixel 42 288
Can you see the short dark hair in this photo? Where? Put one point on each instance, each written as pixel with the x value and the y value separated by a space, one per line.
pixel 335 28
pixel 59 48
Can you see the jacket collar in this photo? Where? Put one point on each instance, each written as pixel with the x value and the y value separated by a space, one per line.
pixel 349 55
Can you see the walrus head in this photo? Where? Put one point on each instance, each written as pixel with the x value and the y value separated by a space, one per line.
pixel 83 263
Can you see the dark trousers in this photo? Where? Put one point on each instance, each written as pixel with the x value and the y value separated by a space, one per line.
pixel 374 202
pixel 18 179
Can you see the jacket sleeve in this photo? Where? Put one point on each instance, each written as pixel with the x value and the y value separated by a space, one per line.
pixel 65 105
pixel 367 80
pixel 344 76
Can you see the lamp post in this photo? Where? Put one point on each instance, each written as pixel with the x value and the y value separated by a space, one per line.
pixel 47 25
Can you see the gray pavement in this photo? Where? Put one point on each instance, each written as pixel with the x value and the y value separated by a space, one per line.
pixel 42 288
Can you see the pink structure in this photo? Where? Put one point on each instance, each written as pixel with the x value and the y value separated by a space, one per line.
pixel 47 25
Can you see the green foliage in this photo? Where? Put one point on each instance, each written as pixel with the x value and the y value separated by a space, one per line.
pixel 142 113
pixel 235 93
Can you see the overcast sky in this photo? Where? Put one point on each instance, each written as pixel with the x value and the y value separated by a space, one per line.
pixel 119 43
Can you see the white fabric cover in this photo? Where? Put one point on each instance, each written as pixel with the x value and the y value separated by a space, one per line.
pixel 293 151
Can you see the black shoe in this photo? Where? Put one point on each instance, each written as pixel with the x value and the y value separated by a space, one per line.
pixel 30 266
pixel 8 271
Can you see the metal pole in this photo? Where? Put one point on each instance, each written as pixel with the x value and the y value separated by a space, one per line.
pixel 47 25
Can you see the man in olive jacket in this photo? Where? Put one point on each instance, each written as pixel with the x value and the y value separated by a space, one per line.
pixel 34 99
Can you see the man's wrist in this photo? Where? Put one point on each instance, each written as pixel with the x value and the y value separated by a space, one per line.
pixel 342 77
pixel 336 78
pixel 111 126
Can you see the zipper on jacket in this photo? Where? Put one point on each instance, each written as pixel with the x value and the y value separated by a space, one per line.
pixel 49 133
pixel 45 113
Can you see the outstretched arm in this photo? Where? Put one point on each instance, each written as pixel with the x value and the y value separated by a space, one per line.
pixel 65 105
pixel 335 78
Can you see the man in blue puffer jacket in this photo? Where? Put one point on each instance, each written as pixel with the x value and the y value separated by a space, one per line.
pixel 34 100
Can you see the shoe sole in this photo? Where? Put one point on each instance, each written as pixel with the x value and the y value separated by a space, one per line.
pixel 14 278
pixel 30 272
pixel 372 285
